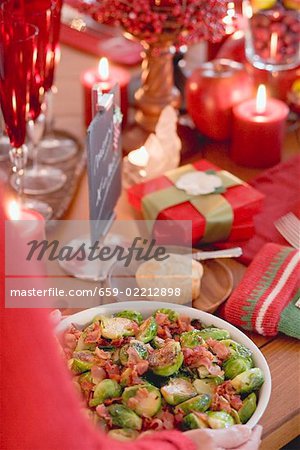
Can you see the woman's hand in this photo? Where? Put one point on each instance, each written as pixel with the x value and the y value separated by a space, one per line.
pixel 237 437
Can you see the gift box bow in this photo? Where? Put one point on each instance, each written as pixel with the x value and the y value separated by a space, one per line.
pixel 216 210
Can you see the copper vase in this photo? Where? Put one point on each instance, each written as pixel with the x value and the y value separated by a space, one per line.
pixel 157 89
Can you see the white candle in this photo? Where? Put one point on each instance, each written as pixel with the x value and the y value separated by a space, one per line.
pixel 139 158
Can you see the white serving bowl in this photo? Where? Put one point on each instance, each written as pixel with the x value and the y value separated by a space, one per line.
pixel 85 317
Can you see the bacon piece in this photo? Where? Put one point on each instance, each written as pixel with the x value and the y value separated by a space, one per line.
pixel 215 370
pixel 93 334
pixel 103 413
pixel 142 367
pixel 110 401
pixel 167 419
pixel 198 356
pixel 153 424
pixel 219 349
pixel 113 371
pixel 179 417
pixel 225 398
pixel 69 341
pixel 184 324
pixel 162 319
pixel 140 395
pixel 102 354
pixel 133 357
pixel 236 402
pixel 84 356
pixel 98 374
pixel 164 332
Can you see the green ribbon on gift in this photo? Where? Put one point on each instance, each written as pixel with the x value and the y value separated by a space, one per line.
pixel 216 210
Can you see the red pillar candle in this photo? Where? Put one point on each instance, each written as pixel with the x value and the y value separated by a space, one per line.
pixel 258 131
pixel 107 76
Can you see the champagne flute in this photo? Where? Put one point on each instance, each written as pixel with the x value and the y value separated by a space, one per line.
pixel 17 50
pixel 54 147
pixel 39 179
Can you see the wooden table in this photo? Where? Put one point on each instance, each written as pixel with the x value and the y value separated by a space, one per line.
pixel 281 422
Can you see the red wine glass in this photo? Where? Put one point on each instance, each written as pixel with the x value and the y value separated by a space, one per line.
pixel 54 147
pixel 17 50
pixel 39 179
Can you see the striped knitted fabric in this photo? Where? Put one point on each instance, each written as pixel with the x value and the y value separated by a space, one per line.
pixel 264 301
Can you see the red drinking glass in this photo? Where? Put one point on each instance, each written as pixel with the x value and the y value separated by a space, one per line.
pixel 38 179
pixel 52 55
pixel 18 52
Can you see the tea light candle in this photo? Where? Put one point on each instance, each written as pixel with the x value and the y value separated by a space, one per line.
pixel 258 131
pixel 29 226
pixel 139 158
pixel 107 76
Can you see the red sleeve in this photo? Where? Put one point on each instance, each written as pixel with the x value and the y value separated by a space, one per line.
pixel 39 406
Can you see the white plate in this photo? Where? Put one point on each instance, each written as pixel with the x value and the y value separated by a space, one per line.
pixel 83 318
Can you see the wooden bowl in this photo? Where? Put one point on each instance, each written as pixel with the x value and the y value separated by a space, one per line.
pixel 216 285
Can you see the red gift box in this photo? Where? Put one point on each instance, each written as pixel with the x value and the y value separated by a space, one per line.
pixel 244 200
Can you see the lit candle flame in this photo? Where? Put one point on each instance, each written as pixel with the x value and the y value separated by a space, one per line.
pixel 261 99
pixel 14 210
pixel 139 157
pixel 273 45
pixel 103 69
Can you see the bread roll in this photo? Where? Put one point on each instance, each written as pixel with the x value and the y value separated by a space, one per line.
pixel 178 271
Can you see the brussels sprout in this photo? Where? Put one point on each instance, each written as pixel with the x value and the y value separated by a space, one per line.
pixel 207 385
pixel 138 346
pixel 157 342
pixel 235 416
pixel 78 366
pixel 123 434
pixel 178 390
pixel 237 349
pixel 82 361
pixel 219 419
pixel 85 380
pixel 148 399
pixel 147 331
pixel 136 316
pixel 124 417
pixel 236 365
pixel 166 360
pixel 248 408
pixel 192 422
pixel 116 327
pixel 81 344
pixel 191 339
pixel 172 315
pixel 199 403
pixel 204 373
pixel 105 389
pixel 248 381
pixel 214 333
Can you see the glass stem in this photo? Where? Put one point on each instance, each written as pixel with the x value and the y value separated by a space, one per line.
pixel 18 157
pixel 35 130
pixel 49 111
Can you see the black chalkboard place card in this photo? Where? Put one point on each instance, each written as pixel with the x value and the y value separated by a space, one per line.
pixel 104 160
